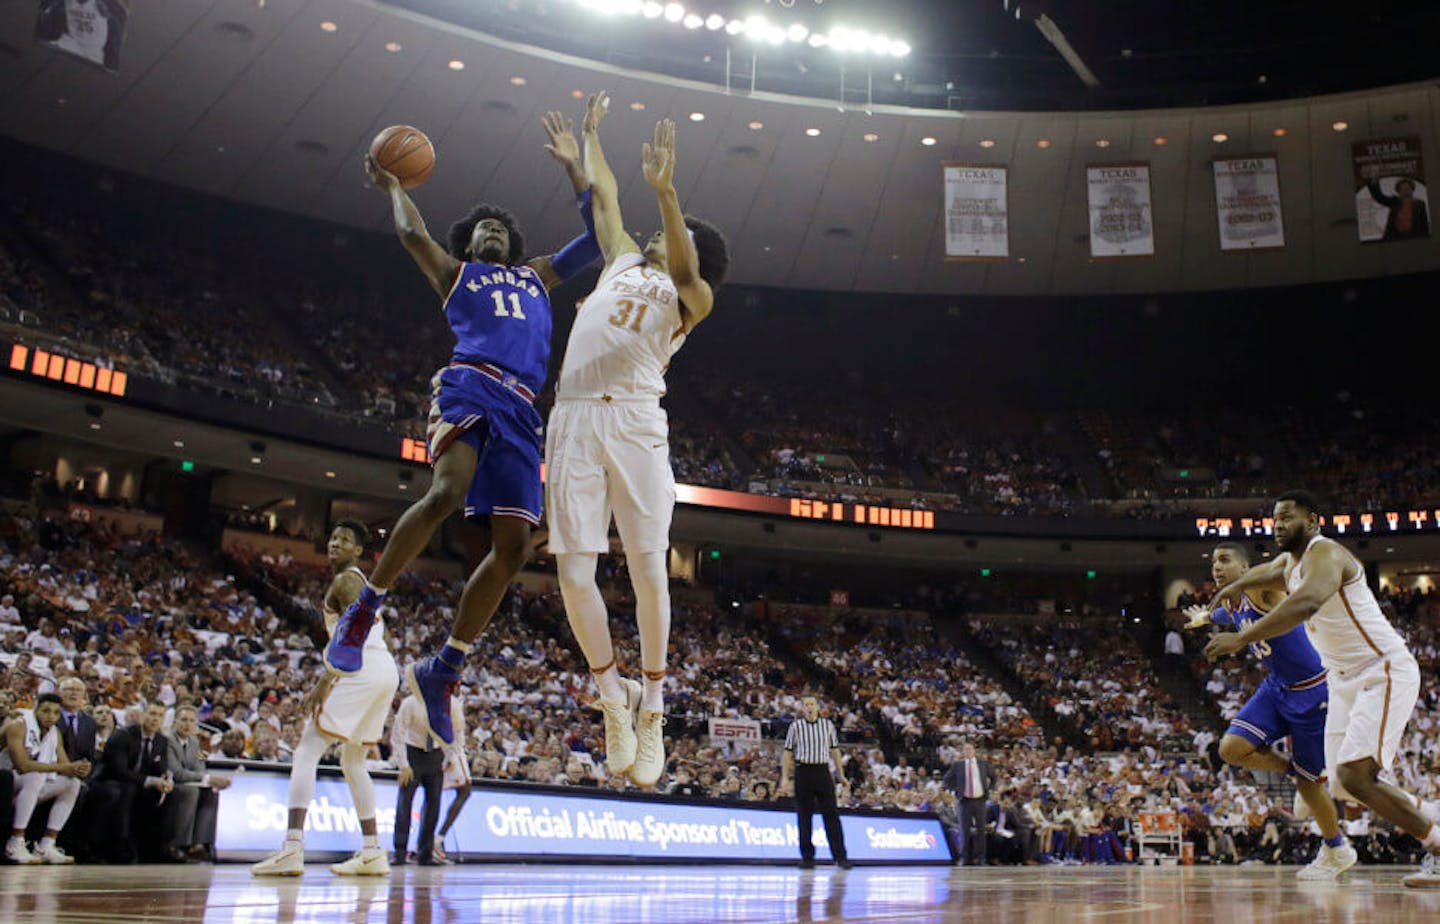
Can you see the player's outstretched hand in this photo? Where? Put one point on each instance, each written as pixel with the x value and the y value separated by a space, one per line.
pixel 1226 643
pixel 1199 616
pixel 384 180
pixel 563 146
pixel 595 110
pixel 658 157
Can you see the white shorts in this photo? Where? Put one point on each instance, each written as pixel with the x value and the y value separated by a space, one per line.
pixel 603 458
pixel 1368 712
pixel 358 703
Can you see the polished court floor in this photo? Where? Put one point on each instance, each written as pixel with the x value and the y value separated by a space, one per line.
pixel 602 895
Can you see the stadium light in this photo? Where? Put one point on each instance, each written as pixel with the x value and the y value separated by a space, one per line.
pixel 735 27
pixel 674 12
pixel 797 33
pixel 714 21
pixel 693 21
pixel 652 10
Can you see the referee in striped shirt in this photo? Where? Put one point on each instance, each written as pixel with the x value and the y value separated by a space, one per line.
pixel 812 744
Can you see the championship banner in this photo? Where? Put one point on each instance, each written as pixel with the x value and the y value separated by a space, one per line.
pixel 1391 203
pixel 1120 223
pixel 1247 203
pixel 735 729
pixel 977 212
pixel 90 29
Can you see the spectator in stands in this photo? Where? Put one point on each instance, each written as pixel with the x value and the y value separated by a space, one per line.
pixel 43 771
pixel 9 615
pixel 190 812
pixel 134 775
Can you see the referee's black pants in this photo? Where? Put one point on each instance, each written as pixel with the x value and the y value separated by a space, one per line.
pixel 428 768
pixel 815 791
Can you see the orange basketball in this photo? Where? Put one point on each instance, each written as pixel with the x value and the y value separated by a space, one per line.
pixel 405 152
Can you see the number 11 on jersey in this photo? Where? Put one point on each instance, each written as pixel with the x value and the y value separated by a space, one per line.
pixel 514 309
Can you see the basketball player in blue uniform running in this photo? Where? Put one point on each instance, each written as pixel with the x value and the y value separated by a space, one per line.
pixel 1290 701
pixel 484 432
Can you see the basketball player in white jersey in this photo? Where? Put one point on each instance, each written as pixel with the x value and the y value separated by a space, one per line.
pixel 1374 680
pixel 349 708
pixel 607 446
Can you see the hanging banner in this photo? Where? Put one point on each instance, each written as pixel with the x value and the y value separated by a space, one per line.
pixel 1391 203
pixel 735 729
pixel 1247 203
pixel 90 29
pixel 1120 222
pixel 977 212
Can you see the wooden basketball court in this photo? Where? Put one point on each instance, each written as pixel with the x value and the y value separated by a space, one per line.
pixel 226 894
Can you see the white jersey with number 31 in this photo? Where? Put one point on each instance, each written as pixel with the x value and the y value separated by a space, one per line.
pixel 624 335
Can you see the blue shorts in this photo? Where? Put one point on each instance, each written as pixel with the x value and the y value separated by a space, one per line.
pixel 1275 712
pixel 506 432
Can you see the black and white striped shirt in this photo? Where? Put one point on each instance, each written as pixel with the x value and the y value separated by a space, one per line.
pixel 811 741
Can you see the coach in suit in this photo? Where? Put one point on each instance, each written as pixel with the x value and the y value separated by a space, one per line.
pixel 134 777
pixel 970 779
pixel 77 732
pixel 189 813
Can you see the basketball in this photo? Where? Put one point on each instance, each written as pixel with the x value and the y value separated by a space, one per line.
pixel 405 152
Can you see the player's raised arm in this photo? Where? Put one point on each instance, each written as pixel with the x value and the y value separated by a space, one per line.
pixel 681 260
pixel 609 226
pixel 1324 575
pixel 439 267
pixel 569 261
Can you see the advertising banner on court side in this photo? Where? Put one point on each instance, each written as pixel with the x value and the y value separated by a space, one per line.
pixel 1247 203
pixel 1120 220
pixel 1391 200
pixel 977 212
pixel 526 823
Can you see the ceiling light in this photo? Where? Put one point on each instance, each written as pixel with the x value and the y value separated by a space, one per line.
pixel 692 21
pixel 637 106
pixel 674 12
pixel 899 49
pixel 1340 126
pixel 456 64
pixel 328 26
pixel 928 141
pixel 518 81
pixel 813 132
pixel 652 10
pixel 1161 141
pixel 329 474
pixel 254 460
pixel 1102 142
pixel 797 33
pixel 819 39
pixel 1279 133
pixel 403 486
pixel 392 47
pixel 987 142
pixel 94 425
pixel 630 7
pixel 577 94
pixel 871 136
pixel 714 21
pixel 697 117
pixel 756 125
pixel 179 444
pixel 735 27
pixel 1043 143
pixel 1219 137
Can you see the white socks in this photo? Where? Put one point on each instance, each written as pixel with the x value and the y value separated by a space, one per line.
pixel 654 697
pixel 608 681
pixel 371 842
pixel 295 836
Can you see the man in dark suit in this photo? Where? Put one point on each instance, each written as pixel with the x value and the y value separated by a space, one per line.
pixel 970 779
pixel 77 732
pixel 189 813
pixel 1008 833
pixel 134 777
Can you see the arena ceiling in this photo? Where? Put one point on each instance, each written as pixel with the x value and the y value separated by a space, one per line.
pixel 253 100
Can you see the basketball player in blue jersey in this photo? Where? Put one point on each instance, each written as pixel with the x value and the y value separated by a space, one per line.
pixel 1290 701
pixel 484 433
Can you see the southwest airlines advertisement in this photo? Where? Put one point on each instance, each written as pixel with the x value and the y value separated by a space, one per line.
pixel 536 824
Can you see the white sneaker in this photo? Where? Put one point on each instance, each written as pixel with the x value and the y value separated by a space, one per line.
pixel 366 862
pixel 49 853
pixel 620 730
pixel 1329 863
pixel 287 861
pixel 1301 808
pixel 17 852
pixel 650 748
pixel 1429 875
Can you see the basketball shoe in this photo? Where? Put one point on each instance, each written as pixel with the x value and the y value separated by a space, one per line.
pixel 1329 863
pixel 649 748
pixel 620 719
pixel 287 861
pixel 345 653
pixel 370 861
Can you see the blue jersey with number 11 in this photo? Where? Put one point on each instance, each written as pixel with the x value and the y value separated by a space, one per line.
pixel 1290 658
pixel 501 315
